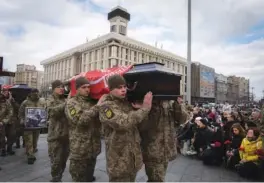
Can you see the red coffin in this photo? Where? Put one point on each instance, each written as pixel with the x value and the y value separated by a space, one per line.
pixel 98 80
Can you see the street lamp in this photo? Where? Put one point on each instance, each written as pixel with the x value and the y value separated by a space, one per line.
pixel 189 53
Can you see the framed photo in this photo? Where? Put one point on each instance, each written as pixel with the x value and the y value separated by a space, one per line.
pixel 36 118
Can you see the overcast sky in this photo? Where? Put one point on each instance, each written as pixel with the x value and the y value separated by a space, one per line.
pixel 227 34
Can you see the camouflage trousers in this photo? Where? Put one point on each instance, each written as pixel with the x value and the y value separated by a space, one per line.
pixel 2 137
pixel 19 133
pixel 130 177
pixel 58 153
pixel 82 170
pixel 10 133
pixel 31 142
pixel 156 172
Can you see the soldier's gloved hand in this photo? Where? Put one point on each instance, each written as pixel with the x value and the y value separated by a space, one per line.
pixel 22 122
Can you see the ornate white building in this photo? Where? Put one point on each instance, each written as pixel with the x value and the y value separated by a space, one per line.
pixel 112 49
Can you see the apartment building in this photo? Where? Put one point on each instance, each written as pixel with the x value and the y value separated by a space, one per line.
pixel 202 83
pixel 220 88
pixel 28 74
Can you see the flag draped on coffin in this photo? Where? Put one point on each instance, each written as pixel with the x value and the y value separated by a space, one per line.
pixel 7 87
pixel 98 80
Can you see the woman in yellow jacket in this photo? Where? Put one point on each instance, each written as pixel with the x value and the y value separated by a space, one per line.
pixel 249 164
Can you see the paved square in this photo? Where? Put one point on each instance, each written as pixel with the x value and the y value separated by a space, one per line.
pixel 183 169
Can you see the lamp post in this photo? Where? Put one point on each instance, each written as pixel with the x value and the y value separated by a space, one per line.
pixel 189 53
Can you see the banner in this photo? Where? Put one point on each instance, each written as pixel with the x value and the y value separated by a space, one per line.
pixel 98 80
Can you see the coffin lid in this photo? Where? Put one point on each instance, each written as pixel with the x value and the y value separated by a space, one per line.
pixel 21 86
pixel 151 67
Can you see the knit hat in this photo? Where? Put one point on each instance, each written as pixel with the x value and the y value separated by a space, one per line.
pixel 34 90
pixel 81 81
pixel 115 81
pixel 56 84
pixel 204 121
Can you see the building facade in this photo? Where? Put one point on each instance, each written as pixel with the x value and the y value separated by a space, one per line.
pixel 243 90
pixel 112 49
pixel 233 89
pixel 28 74
pixel 202 83
pixel 220 88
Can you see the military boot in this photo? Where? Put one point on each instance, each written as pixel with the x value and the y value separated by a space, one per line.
pixel 93 179
pixel 55 180
pixel 31 161
pixel 10 151
pixel 3 153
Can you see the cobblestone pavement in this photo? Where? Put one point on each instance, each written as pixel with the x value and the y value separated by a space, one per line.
pixel 183 169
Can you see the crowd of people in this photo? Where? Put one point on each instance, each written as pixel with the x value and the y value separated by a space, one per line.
pixel 225 136
pixel 148 132
pixel 136 133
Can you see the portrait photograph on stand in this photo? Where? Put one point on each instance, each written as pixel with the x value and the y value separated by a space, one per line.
pixel 35 118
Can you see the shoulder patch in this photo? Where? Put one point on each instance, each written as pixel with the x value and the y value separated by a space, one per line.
pixel 73 112
pixel 108 113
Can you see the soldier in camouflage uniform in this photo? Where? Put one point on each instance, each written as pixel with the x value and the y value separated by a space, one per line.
pixel 5 120
pixel 31 136
pixel 158 141
pixel 10 129
pixel 84 132
pixel 180 113
pixel 58 133
pixel 122 139
pixel 5 117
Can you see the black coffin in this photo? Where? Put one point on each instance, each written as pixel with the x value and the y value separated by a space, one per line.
pixel 20 92
pixel 164 83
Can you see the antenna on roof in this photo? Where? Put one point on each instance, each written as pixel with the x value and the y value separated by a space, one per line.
pixel 87 39
pixel 161 46
pixel 156 43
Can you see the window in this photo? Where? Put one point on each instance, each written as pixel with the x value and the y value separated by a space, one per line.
pixel 113 28
pixel 110 51
pixel 102 53
pixel 122 30
pixel 90 56
pixel 96 54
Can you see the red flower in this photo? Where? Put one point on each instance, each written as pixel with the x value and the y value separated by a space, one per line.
pixel 241 149
pixel 217 144
pixel 260 152
pixel 227 142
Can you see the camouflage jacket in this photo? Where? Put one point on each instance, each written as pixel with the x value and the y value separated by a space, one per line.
pixel 158 134
pixel 179 113
pixel 58 123
pixel 84 128
pixel 6 112
pixel 122 139
pixel 15 107
pixel 30 103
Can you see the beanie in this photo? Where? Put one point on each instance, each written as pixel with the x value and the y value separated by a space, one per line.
pixel 115 81
pixel 34 90
pixel 56 84
pixel 204 121
pixel 81 81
